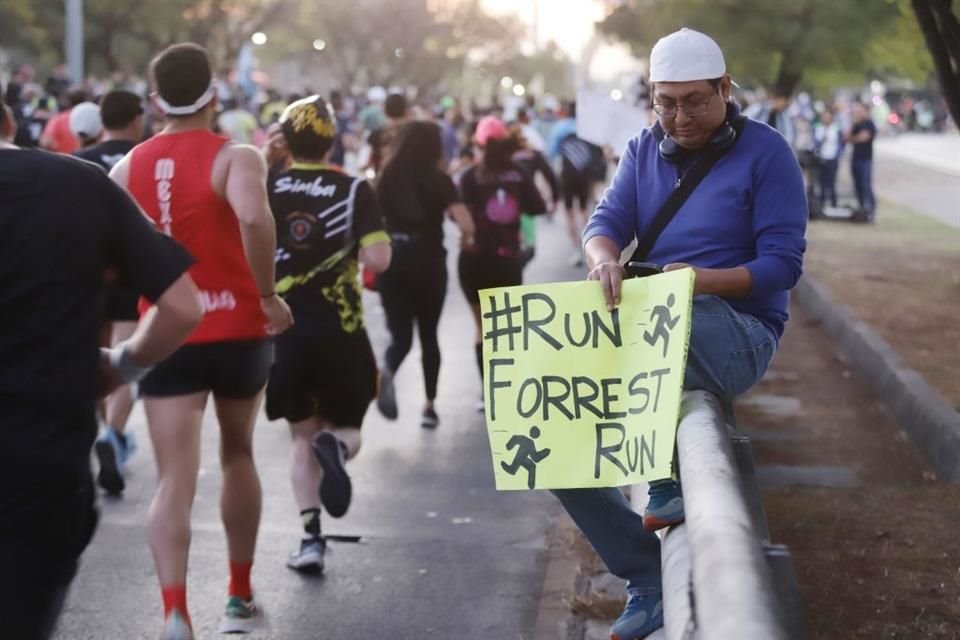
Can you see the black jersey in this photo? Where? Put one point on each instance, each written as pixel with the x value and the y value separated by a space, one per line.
pixel 496 202
pixel 323 218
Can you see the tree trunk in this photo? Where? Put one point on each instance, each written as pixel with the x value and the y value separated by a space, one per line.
pixel 949 27
pixel 947 68
pixel 787 80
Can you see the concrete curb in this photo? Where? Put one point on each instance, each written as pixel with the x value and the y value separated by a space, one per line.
pixel 933 424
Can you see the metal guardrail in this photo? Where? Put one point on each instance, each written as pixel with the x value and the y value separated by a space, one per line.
pixel 722 579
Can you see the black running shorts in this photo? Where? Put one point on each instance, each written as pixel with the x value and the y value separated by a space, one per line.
pixel 576 186
pixel 330 374
pixel 480 271
pixel 230 369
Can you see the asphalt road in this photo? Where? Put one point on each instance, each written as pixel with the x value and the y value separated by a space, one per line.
pixel 934 193
pixel 440 554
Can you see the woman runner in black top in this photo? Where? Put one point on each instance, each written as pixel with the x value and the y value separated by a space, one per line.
pixel 325 374
pixel 414 194
pixel 496 191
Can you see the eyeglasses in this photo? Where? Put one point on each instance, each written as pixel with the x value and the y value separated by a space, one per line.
pixel 695 110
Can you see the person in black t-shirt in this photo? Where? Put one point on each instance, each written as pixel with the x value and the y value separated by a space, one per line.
pixel 415 194
pixel 532 162
pixel 861 135
pixel 397 111
pixel 53 263
pixel 325 374
pixel 496 191
pixel 122 115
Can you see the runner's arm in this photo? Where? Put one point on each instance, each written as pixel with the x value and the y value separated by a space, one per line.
pixel 375 251
pixel 461 215
pixel 165 326
pixel 246 191
pixel 457 211
pixel 544 167
pixel 157 267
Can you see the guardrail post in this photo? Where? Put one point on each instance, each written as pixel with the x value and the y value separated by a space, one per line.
pixel 678 613
pixel 743 454
pixel 732 586
pixel 788 594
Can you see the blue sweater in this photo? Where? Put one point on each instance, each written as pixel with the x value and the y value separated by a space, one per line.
pixel 750 211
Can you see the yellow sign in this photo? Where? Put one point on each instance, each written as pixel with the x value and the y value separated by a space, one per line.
pixel 577 396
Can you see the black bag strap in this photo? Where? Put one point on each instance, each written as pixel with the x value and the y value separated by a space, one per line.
pixel 688 183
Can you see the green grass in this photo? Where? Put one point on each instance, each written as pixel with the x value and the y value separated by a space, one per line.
pixel 896 227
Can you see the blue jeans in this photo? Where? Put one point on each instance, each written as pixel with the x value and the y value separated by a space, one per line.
pixel 862 172
pixel 828 182
pixel 729 353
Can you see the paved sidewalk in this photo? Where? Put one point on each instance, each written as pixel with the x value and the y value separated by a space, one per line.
pixel 936 151
pixel 918 171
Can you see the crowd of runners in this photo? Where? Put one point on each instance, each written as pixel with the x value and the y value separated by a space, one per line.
pixel 285 211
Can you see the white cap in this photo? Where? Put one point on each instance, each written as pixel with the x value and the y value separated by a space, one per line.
pixel 85 121
pixel 684 56
pixel 376 94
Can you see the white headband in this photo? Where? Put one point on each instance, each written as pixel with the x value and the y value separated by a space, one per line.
pixel 185 110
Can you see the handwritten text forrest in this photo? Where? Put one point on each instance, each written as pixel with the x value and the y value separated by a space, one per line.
pixel 578 396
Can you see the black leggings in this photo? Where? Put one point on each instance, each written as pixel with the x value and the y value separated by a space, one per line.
pixel 413 288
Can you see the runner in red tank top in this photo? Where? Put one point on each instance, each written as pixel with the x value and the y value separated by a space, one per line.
pixel 210 195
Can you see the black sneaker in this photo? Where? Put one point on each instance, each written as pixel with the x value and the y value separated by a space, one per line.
pixel 310 556
pixel 429 419
pixel 110 476
pixel 336 489
pixel 387 396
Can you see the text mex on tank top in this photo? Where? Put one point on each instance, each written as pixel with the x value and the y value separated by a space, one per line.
pixel 170 177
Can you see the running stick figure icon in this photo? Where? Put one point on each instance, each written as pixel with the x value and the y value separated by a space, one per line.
pixel 526 456
pixel 665 322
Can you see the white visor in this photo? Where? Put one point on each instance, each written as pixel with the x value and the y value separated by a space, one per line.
pixel 185 110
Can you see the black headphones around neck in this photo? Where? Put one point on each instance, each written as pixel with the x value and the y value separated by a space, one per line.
pixel 721 140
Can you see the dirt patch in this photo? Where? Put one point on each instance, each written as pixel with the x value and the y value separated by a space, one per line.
pixel 902 276
pixel 875 560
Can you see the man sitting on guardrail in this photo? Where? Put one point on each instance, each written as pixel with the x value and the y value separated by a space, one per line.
pixel 708 189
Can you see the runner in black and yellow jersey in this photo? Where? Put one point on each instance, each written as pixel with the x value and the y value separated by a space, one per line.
pixel 325 374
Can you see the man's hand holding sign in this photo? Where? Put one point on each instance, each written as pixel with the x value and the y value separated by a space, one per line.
pixel 604 254
pixel 580 395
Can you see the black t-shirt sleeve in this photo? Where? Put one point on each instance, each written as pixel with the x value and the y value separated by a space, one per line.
pixel 468 184
pixel 367 219
pixel 142 257
pixel 445 190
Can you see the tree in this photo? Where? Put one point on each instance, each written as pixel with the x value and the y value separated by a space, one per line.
pixel 127 33
pixel 768 42
pixel 941 30
pixel 390 43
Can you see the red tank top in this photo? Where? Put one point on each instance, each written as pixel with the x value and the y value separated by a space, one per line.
pixel 170 176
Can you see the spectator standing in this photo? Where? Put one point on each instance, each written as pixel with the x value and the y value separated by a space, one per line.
pixel 828 144
pixel 861 136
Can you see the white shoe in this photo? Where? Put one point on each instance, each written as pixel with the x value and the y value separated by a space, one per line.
pixel 175 627
pixel 242 616
pixel 309 558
